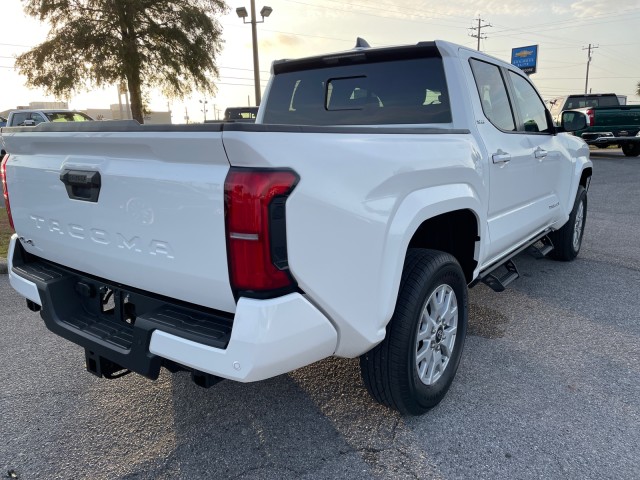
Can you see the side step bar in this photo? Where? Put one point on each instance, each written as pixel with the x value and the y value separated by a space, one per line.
pixel 539 252
pixel 497 282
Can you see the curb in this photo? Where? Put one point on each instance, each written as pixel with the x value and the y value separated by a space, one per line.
pixel 3 266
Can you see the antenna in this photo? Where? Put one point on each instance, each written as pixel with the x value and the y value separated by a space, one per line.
pixel 362 43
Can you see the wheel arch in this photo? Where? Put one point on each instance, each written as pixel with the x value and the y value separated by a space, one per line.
pixel 454 232
pixel 454 212
pixel 585 177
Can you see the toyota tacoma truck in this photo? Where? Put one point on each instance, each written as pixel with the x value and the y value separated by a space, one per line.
pixel 376 186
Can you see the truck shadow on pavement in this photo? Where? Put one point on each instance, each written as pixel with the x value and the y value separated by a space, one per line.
pixel 317 422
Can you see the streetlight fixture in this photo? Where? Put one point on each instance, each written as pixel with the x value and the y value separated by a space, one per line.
pixel 204 108
pixel 243 14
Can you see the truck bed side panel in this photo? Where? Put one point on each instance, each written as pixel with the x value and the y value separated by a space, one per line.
pixel 338 217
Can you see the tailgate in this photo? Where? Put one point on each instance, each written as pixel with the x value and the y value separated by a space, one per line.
pixel 626 117
pixel 136 206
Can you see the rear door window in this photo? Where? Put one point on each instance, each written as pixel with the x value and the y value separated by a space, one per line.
pixel 493 94
pixel 408 91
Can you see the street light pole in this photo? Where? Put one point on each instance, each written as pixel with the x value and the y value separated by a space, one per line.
pixel 242 13
pixel 204 109
pixel 256 61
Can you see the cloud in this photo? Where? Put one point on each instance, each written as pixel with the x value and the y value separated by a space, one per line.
pixel 281 42
pixel 560 9
pixel 461 8
pixel 592 8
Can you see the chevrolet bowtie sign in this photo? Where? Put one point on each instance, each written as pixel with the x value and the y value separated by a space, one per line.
pixel 525 58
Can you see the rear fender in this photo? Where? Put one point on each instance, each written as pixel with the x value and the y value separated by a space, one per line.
pixel 416 208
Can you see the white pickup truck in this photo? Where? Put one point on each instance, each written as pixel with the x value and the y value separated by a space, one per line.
pixel 376 185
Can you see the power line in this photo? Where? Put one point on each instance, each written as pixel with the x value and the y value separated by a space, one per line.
pixel 572 23
pixel 479 28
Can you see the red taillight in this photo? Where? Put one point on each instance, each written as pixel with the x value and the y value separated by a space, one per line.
pixel 591 116
pixel 254 210
pixel 5 190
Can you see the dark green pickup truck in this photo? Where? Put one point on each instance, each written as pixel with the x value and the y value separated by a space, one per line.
pixel 606 126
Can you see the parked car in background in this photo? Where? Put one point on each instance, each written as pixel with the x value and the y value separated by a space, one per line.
pixel 574 102
pixel 3 122
pixel 31 118
pixel 607 126
pixel 241 114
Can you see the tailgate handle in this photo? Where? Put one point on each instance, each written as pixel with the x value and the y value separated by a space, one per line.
pixel 82 184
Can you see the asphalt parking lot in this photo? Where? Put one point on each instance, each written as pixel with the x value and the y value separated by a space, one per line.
pixel 548 387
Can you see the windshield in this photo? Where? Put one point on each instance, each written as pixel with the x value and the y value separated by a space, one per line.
pixel 68 117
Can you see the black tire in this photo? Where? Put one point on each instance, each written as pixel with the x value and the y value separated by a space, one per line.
pixel 563 239
pixel 390 370
pixel 631 149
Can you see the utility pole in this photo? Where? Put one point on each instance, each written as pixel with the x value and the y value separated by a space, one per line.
pixel 478 29
pixel 586 82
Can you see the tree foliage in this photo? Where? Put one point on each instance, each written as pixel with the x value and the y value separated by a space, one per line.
pixel 167 44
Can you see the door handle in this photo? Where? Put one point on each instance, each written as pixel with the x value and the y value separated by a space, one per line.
pixel 539 153
pixel 501 157
pixel 82 185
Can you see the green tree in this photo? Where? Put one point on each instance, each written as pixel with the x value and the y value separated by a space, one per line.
pixel 166 44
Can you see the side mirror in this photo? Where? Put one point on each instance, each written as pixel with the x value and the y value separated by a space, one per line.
pixel 29 123
pixel 572 121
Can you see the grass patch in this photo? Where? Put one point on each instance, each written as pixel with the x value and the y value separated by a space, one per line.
pixel 5 231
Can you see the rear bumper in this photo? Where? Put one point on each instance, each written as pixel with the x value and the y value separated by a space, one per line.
pixel 263 339
pixel 607 138
pixel 269 337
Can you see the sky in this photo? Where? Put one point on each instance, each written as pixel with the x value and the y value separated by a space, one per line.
pixel 562 29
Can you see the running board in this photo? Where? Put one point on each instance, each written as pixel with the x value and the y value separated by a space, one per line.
pixel 539 252
pixel 499 283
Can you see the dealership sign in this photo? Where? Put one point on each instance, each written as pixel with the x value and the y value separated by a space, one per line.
pixel 525 58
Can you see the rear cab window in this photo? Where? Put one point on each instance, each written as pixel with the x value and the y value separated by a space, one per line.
pixel 363 88
pixel 68 117
pixel 509 101
pixel 587 101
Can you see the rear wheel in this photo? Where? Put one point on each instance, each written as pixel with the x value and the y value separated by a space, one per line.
pixel 568 239
pixel 631 149
pixel 412 369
